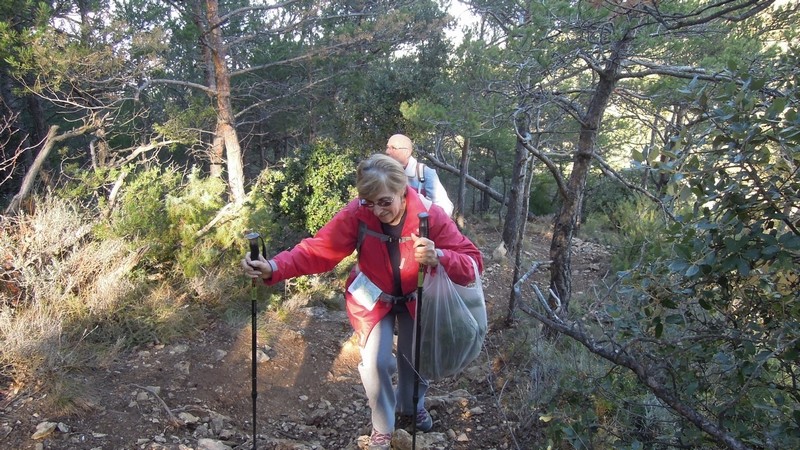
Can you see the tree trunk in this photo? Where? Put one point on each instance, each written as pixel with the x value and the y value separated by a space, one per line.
pixel 516 198
pixel 568 219
pixel 226 127
pixel 216 152
pixel 516 252
pixel 461 203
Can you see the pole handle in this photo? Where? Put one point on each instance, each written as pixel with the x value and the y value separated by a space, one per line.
pixel 253 238
pixel 423 224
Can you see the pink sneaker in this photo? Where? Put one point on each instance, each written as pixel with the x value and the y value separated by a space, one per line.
pixel 380 441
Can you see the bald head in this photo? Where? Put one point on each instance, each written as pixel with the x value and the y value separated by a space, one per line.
pixel 399 147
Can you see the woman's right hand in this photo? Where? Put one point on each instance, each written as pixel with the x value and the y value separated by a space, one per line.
pixel 256 269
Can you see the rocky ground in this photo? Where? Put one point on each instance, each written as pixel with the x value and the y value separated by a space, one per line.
pixel 197 394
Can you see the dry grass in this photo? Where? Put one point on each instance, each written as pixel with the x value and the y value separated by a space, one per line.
pixel 77 305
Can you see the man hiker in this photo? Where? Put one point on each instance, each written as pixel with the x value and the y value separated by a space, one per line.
pixel 420 177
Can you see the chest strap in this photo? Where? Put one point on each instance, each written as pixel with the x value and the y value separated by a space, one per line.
pixel 363 231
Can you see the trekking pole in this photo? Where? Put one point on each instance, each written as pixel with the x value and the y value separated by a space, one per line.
pixel 423 232
pixel 253 238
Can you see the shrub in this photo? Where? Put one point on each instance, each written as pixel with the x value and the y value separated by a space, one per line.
pixel 543 195
pixel 314 186
pixel 141 217
pixel 80 305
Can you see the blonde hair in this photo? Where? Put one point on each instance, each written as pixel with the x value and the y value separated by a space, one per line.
pixel 379 172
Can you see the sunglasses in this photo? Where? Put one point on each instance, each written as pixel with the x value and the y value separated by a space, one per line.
pixel 384 202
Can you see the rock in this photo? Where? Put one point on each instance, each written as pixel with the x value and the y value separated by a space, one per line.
pixel 500 252
pixel 218 424
pixel 178 349
pixel 183 367
pixel 317 417
pixel 43 430
pixel 219 355
pixel 188 419
pixel 476 411
pixel 211 444
pixel 401 440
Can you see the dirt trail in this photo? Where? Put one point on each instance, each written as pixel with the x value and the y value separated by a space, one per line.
pixel 197 393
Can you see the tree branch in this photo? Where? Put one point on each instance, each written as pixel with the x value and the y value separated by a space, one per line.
pixel 630 361
pixel 49 143
pixel 608 171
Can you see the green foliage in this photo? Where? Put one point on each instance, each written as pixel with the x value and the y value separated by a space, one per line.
pixel 141 217
pixel 314 186
pixel 188 210
pixel 87 185
pixel 634 228
pixel 722 311
pixel 543 195
pixel 575 398
pixel 161 213
pixel 604 195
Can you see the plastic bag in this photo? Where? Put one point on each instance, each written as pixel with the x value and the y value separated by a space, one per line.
pixel 453 324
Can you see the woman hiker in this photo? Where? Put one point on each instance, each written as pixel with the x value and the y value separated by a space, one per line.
pixel 381 288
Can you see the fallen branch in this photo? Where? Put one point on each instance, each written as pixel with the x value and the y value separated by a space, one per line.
pixel 48 144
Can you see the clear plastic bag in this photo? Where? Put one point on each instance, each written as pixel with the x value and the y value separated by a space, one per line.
pixel 453 324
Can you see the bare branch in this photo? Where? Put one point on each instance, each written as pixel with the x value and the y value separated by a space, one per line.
pixel 49 143
pixel 146 148
pixel 609 171
pixel 719 10
pixel 197 86
pixel 551 166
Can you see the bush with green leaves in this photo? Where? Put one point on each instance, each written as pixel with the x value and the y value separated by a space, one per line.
pixel 543 198
pixel 314 186
pixel 141 215
pixel 605 195
pixel 163 214
pixel 189 209
pixel 704 334
pixel 717 324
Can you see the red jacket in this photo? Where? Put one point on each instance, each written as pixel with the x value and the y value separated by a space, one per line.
pixel 337 240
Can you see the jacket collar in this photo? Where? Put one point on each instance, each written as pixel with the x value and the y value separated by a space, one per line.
pixel 411 167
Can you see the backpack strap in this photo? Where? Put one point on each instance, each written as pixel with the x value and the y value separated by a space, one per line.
pixel 421 178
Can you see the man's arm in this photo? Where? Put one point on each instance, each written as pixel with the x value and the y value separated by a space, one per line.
pixel 436 191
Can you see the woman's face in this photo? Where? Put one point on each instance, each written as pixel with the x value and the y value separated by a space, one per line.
pixel 387 206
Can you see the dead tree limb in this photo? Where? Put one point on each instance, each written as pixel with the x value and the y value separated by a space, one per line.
pixel 49 143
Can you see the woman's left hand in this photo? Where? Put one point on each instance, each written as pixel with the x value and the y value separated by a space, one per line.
pixel 425 251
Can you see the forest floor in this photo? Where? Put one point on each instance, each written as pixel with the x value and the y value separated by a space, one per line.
pixel 197 394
